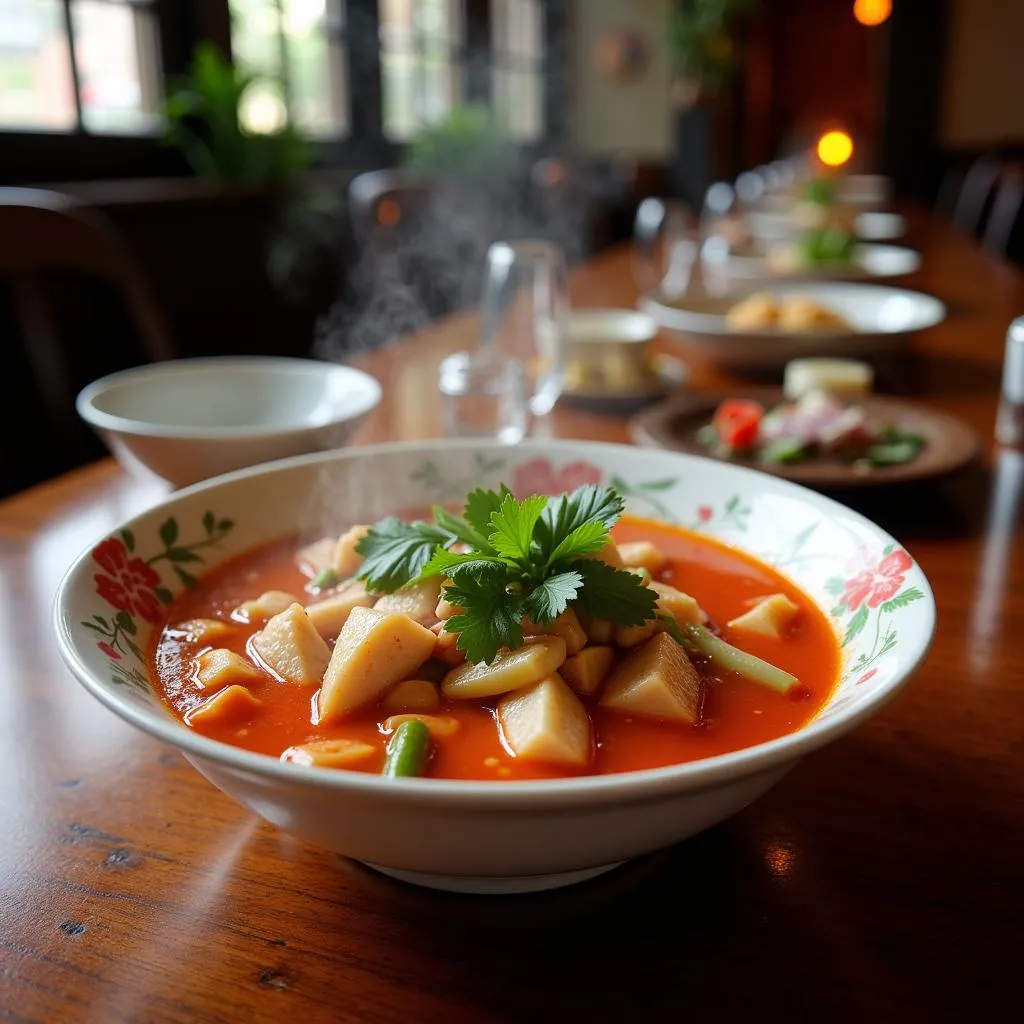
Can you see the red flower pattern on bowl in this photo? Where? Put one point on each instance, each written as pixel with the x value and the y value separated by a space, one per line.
pixel 129 582
pixel 875 585
pixel 108 650
pixel 539 476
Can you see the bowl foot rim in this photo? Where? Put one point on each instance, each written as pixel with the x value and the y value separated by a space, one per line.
pixel 499 885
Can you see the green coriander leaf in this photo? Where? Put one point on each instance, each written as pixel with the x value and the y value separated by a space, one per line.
pixel 587 504
pixel 449 563
pixel 512 527
pixel 614 594
pixel 458 526
pixel 490 618
pixel 394 552
pixel 549 599
pixel 480 505
pixel 584 540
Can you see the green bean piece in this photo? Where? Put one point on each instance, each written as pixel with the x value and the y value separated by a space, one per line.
pixel 408 750
pixel 784 450
pixel 707 435
pixel 698 640
pixel 892 454
pixel 325 579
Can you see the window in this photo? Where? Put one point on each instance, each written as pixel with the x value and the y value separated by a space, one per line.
pixel 299 49
pixel 421 45
pixel 518 73
pixel 90 65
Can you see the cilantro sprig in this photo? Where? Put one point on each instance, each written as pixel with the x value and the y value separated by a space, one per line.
pixel 519 558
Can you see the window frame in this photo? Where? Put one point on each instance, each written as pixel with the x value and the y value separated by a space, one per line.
pixel 42 156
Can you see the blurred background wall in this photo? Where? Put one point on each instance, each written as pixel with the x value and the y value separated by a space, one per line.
pixel 608 117
pixel 983 92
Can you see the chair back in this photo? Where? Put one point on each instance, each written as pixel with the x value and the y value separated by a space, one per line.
pixel 383 202
pixel 42 234
pixel 976 195
pixel 1007 210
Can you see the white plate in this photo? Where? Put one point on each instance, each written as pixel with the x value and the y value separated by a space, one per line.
pixel 885 318
pixel 769 226
pixel 870 261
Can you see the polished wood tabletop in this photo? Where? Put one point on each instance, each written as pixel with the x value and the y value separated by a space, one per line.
pixel 880 880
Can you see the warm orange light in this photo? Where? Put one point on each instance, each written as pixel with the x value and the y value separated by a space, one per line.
pixel 389 213
pixel 872 12
pixel 835 149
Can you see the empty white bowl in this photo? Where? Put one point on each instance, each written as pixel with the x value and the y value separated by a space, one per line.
pixel 190 419
pixel 494 836
pixel 883 320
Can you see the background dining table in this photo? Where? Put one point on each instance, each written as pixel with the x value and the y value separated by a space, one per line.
pixel 881 880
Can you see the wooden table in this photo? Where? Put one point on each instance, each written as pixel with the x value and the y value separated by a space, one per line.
pixel 880 881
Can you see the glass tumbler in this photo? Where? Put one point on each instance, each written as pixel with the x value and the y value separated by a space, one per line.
pixel 483 396
pixel 524 315
pixel 665 245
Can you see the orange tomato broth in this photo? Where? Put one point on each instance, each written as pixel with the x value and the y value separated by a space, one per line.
pixel 736 713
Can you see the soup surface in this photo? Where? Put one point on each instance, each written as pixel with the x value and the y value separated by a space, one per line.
pixel 735 712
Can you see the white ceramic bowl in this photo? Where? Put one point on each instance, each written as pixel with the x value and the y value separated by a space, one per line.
pixel 507 836
pixel 885 320
pixel 190 419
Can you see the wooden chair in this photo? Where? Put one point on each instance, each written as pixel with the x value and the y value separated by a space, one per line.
pixel 1006 214
pixel 44 234
pixel 384 202
pixel 976 194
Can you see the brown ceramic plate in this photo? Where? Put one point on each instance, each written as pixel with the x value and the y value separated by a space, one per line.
pixel 949 443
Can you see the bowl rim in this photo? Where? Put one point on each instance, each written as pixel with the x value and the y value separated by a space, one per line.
pixel 588 790
pixel 99 419
pixel 624 326
pixel 713 324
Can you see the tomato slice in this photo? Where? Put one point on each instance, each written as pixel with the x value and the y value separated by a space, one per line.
pixel 737 422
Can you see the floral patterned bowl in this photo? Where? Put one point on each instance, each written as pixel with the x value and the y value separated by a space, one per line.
pixel 490 836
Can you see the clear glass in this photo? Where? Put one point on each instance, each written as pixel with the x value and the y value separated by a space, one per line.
pixel 36 86
pixel 1010 417
pixel 483 396
pixel 665 245
pixel 118 53
pixel 524 315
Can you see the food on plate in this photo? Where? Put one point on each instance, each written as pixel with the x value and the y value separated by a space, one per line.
pixel 817 249
pixel 818 207
pixel 791 314
pixel 757 312
pixel 844 378
pixel 816 425
pixel 520 639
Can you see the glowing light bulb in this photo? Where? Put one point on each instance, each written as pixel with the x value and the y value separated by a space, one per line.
pixel 872 12
pixel 835 149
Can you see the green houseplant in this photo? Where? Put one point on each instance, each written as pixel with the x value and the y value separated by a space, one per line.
pixel 703 50
pixel 202 117
pixel 467 143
